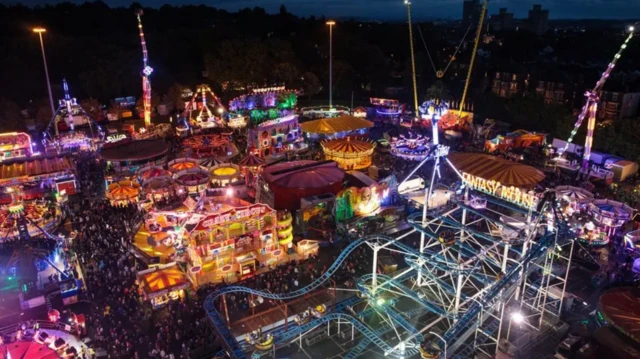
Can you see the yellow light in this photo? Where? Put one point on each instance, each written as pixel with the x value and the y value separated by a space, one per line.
pixel 39 29
pixel 331 22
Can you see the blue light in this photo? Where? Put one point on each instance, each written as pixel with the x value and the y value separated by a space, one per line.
pixel 147 71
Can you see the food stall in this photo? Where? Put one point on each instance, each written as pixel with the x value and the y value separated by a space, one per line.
pixel 162 284
pixel 307 247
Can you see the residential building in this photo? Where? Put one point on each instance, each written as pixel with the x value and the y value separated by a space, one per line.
pixel 537 20
pixel 615 105
pixel 503 21
pixel 471 10
pixel 507 84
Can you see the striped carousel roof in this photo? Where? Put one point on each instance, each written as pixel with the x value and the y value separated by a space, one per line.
pixel 328 126
pixel 182 164
pixel 348 145
pixel 147 173
pixel 251 160
pixel 210 162
pixel 123 190
pixel 192 176
pixel 171 278
pixel 497 169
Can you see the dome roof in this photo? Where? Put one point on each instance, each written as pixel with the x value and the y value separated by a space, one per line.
pixel 348 145
pixel 497 169
pixel 304 174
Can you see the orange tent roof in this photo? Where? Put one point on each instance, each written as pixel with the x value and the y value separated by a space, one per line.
pixel 164 279
pixel 348 145
pixel 35 167
pixel 497 169
pixel 327 126
pixel 123 190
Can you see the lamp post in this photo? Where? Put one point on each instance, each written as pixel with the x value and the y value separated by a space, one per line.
pixel 331 23
pixel 443 341
pixel 39 31
pixel 413 61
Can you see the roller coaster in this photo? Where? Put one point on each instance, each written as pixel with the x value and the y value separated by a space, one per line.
pixel 463 287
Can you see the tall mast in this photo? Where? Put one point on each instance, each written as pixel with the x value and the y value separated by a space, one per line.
pixel 473 57
pixel 146 72
pixel 413 61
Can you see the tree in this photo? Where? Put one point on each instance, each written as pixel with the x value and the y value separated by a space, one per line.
pixel 174 96
pixel 311 84
pixel 92 107
pixel 43 115
pixel 438 91
pixel 10 117
pixel 286 73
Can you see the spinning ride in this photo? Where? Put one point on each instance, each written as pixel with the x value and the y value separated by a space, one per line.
pixel 413 147
pixel 32 216
pixel 183 164
pixel 194 180
pixel 205 109
pixel 217 145
pixel 123 192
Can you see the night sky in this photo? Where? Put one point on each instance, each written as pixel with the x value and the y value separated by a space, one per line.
pixel 394 9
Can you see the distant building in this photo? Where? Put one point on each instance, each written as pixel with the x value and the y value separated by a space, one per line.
pixel 537 20
pixel 507 84
pixel 616 105
pixel 503 21
pixel 553 92
pixel 471 10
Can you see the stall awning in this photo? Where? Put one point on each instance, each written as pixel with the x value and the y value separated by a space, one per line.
pixel 328 126
pixel 162 280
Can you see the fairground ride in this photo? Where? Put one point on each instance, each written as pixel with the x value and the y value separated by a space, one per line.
pixel 205 112
pixel 590 108
pixel 467 289
pixel 146 73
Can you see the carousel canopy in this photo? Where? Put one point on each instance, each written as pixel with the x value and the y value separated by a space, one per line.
pixel 304 174
pixel 497 169
pixel 621 309
pixel 181 164
pixel 348 145
pixel 210 162
pixel 225 170
pixel 156 184
pixel 611 209
pixel 574 194
pixel 328 126
pixel 147 173
pixel 251 160
pixel 192 177
pixel 123 190
pixel 164 280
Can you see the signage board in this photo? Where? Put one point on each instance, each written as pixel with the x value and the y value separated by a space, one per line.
pixel 508 193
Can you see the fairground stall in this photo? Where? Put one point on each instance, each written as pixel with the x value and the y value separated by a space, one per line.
pixel 15 145
pixel 123 193
pixel 412 147
pixel 350 154
pixel 274 138
pixel 336 127
pixel 40 173
pixel 210 162
pixel 161 189
pixel 225 174
pixel 163 284
pixel 387 107
pixel 307 247
pixel 183 164
pixel 264 104
pixel 213 145
pixel 251 165
pixel 131 156
pixel 194 180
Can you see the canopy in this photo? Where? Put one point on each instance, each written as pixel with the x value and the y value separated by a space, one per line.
pixel 181 164
pixel 123 190
pixel 348 145
pixel 158 184
pixel 35 168
pixel 611 209
pixel 192 177
pixel 251 160
pixel 304 174
pixel 621 308
pixel 497 169
pixel 210 162
pixel 164 280
pixel 225 170
pixel 328 126
pixel 574 194
pixel 149 172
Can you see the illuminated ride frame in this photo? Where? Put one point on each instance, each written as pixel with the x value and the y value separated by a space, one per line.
pixel 470 274
pixel 207 116
pixel 67 112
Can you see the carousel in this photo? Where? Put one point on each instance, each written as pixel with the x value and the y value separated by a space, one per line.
pixel 210 162
pixel 211 145
pixel 576 197
pixel 123 193
pixel 160 188
pixel 183 164
pixel 225 174
pixel 413 147
pixel 610 215
pixel 145 174
pixel 194 180
pixel 350 154
pixel 251 165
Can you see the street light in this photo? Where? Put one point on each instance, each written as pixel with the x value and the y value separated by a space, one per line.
pixel 39 31
pixel 443 341
pixel 516 317
pixel 331 23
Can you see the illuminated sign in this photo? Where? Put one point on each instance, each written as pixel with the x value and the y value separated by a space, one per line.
pixel 115 138
pixel 232 216
pixel 497 189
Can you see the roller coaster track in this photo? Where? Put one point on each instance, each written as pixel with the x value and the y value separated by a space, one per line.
pixel 227 336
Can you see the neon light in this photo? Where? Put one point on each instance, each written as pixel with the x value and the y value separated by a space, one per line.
pixel 494 188
pixel 146 72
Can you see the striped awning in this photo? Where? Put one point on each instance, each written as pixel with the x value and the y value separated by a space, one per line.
pixel 165 280
pixel 497 169
pixel 328 126
pixel 251 160
pixel 348 145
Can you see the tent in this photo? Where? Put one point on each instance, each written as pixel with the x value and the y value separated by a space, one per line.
pixel 328 126
pixel 497 169
pixel 574 194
